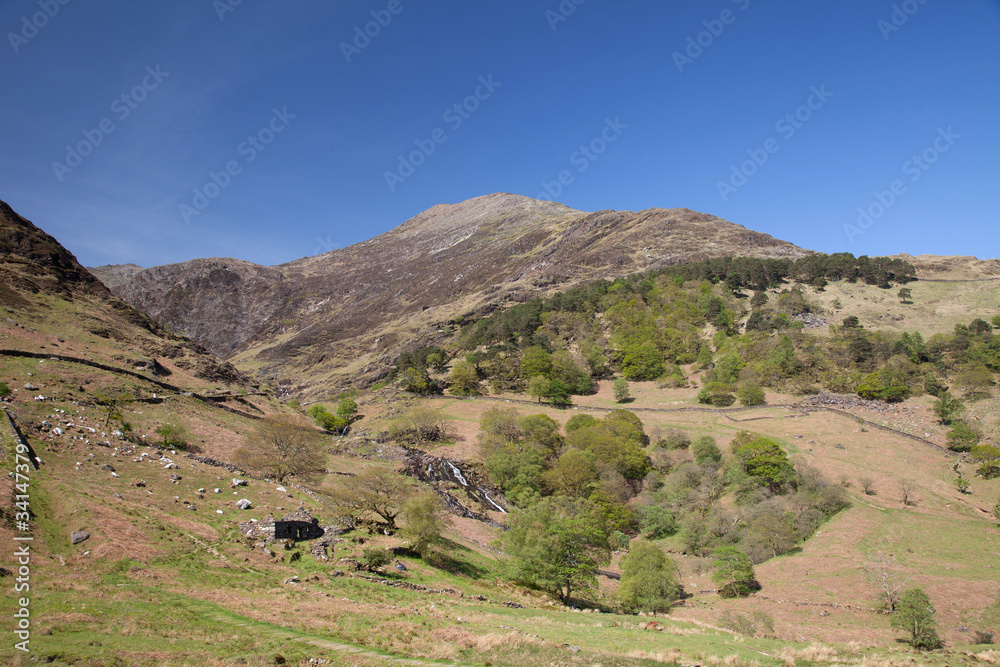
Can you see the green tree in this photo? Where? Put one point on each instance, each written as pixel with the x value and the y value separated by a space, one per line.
pixel 750 394
pixel 283 446
pixel 947 407
pixel 705 451
pixel 915 614
pixel 322 417
pixel 642 362
pixel 704 359
pixel 539 386
pixel 962 438
pixel 577 422
pixel 905 294
pixel 658 521
pixel 559 393
pixel 988 456
pixel 649 580
pixel 622 394
pixel 424 518
pixel 174 435
pixel 375 558
pixel 733 573
pixel 574 473
pixel 557 545
pixel 764 459
pixel 347 409
pixel 536 361
pixel 418 381
pixel 113 401
pixel 464 379
pixel 566 370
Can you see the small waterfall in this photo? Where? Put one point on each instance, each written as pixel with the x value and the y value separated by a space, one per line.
pixel 456 472
pixel 490 500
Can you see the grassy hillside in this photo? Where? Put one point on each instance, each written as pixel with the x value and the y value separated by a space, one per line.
pixel 165 578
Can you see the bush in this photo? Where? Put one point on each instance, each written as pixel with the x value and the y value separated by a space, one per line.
pixel 174 435
pixel 658 522
pixel 747 624
pixel 750 394
pixel 983 637
pixel 4 390
pixel 705 450
pixel 577 422
pixel 962 438
pixel 676 439
pixel 374 558
pixel 418 427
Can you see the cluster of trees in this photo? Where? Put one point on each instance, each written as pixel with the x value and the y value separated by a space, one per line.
pixel 760 274
pixel 649 337
pixel 647 326
pixel 601 482
pixel 776 507
pixel 347 412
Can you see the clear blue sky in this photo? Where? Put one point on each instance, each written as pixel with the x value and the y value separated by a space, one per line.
pixel 182 90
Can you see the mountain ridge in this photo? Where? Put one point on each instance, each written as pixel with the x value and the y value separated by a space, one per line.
pixel 449 260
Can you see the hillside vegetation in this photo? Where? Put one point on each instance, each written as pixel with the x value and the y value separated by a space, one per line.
pixel 519 491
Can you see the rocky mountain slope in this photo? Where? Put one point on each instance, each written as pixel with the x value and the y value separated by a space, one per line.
pixel 115 275
pixel 55 306
pixel 330 318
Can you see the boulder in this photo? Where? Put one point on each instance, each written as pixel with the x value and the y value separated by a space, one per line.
pixel 243 504
pixel 79 536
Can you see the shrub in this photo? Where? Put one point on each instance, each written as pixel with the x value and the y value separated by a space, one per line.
pixel 4 390
pixel 374 558
pixel 751 394
pixel 962 438
pixel 676 439
pixel 174 435
pixel 747 624
pixel 658 522
pixel 577 422
pixel 705 450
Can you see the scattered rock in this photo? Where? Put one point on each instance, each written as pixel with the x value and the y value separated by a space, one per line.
pixel 30 387
pixel 107 467
pixel 243 504
pixel 240 482
pixel 79 536
pixel 141 483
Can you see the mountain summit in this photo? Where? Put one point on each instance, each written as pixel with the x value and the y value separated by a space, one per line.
pixel 340 311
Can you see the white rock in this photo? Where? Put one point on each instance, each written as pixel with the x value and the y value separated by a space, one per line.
pixel 243 504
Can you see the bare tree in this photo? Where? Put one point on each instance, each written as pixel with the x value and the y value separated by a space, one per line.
pixel 283 446
pixel 880 570
pixel 867 485
pixel 378 492
pixel 906 488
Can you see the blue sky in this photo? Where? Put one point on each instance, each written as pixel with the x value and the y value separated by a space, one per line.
pixel 159 132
